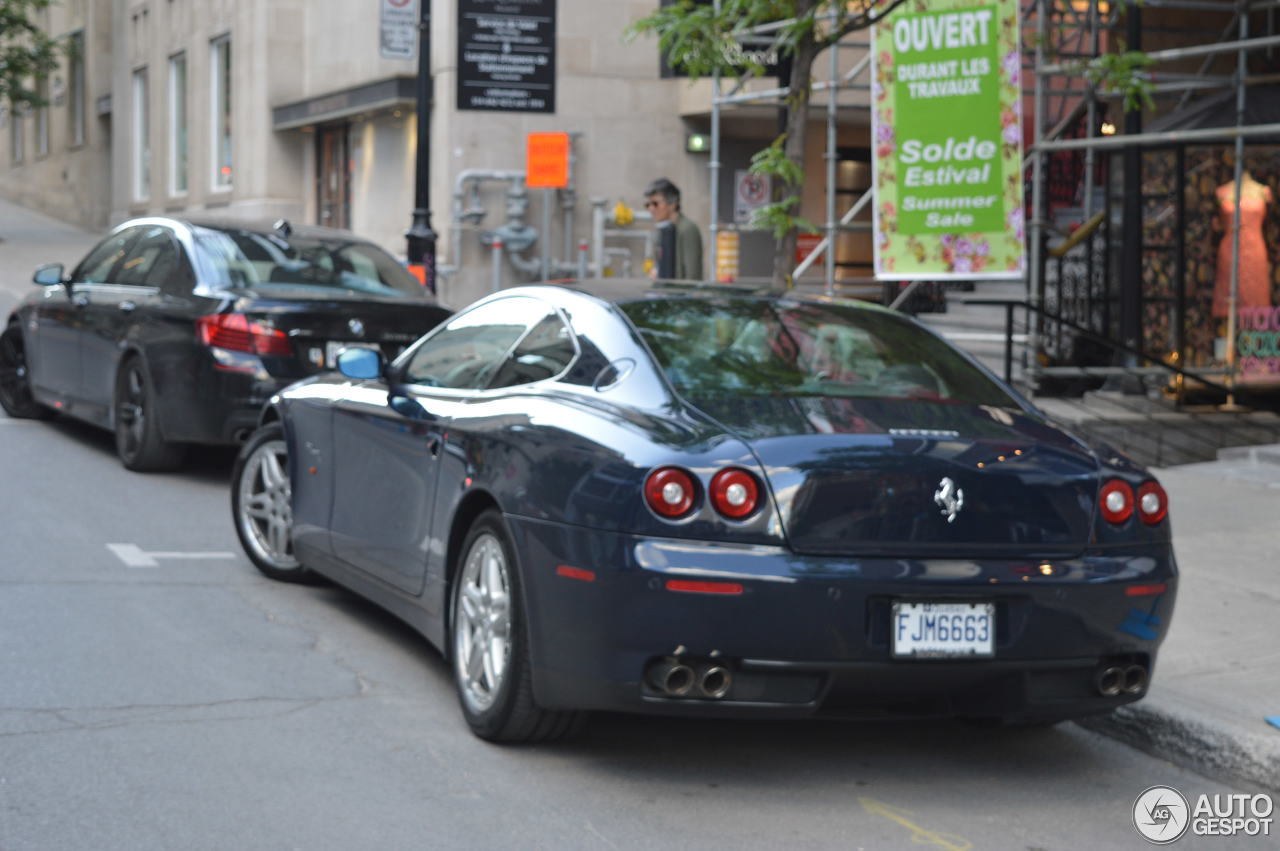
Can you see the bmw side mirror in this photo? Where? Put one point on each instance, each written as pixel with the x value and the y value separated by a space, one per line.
pixel 49 275
pixel 361 364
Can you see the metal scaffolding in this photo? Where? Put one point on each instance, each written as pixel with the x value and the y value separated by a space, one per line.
pixel 832 86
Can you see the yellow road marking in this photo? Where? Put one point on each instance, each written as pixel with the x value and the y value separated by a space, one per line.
pixel 919 835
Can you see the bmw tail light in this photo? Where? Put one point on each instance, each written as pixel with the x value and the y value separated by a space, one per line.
pixel 1115 500
pixel 235 332
pixel 1153 503
pixel 735 493
pixel 670 492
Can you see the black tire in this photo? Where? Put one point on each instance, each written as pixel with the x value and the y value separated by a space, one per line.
pixel 262 509
pixel 139 443
pixel 15 380
pixel 501 711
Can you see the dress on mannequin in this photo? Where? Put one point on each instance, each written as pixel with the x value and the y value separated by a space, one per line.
pixel 1255 271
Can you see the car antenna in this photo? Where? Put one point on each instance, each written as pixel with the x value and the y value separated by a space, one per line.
pixel 283 228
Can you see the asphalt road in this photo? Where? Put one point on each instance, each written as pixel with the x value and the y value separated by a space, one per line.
pixel 194 704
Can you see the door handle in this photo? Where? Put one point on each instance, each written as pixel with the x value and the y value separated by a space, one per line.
pixel 80 300
pixel 433 446
pixel 127 307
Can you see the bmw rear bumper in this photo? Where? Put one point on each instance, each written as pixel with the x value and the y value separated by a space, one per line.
pixel 810 635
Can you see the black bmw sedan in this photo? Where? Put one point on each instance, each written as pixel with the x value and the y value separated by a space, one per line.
pixel 172 332
pixel 707 502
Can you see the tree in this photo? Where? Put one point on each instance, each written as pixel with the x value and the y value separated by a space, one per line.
pixel 26 53
pixel 701 41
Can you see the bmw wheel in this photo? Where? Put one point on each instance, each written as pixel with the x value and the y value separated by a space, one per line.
pixel 139 443
pixel 15 379
pixel 491 646
pixel 262 506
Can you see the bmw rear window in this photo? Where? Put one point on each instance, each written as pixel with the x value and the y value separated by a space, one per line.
pixel 267 261
pixel 717 347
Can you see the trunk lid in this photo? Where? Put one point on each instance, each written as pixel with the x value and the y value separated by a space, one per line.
pixel 319 325
pixel 894 477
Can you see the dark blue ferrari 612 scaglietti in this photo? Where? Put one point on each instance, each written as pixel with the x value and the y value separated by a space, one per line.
pixel 711 502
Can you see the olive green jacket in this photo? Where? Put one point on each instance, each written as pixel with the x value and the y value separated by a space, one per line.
pixel 688 250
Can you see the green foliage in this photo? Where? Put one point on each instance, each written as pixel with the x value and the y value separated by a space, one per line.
pixel 26 52
pixel 1124 72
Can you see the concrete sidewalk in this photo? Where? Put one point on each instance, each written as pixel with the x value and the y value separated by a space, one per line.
pixel 27 239
pixel 1217 678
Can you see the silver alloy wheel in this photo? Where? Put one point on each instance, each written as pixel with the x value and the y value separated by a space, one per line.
pixel 266 512
pixel 482 623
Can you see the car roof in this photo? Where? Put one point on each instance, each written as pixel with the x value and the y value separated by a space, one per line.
pixel 615 290
pixel 263 226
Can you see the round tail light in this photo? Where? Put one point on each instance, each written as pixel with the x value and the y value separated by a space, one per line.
pixel 670 492
pixel 735 493
pixel 1116 501
pixel 1153 503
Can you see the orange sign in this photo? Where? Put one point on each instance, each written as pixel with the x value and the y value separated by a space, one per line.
pixel 805 244
pixel 547 161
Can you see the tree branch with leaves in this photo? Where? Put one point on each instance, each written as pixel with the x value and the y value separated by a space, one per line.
pixel 27 53
pixel 701 41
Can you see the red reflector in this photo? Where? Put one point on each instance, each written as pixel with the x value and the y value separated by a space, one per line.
pixel 691 586
pixel 1145 590
pixel 575 573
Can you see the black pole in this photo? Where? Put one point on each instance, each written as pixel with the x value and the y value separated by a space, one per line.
pixel 420 237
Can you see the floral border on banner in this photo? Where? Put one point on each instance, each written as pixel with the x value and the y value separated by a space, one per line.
pixel 949 256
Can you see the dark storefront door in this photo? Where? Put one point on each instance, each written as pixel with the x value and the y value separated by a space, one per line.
pixel 333 177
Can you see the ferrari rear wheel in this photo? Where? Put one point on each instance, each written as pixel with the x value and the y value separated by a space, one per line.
pixel 15 378
pixel 490 643
pixel 262 506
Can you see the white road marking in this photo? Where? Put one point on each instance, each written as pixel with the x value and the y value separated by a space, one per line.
pixel 134 556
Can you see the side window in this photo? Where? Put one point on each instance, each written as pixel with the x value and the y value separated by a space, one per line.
pixel 154 247
pixel 543 353
pixel 464 353
pixel 171 272
pixel 96 268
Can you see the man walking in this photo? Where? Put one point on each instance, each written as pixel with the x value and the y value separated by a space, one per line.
pixel 662 200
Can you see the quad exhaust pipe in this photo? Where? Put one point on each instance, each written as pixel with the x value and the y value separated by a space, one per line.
pixel 1114 680
pixel 672 677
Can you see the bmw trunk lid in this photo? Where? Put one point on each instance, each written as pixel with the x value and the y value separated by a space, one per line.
pixel 892 477
pixel 318 326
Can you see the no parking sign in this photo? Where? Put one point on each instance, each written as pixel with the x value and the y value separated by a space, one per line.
pixel 750 193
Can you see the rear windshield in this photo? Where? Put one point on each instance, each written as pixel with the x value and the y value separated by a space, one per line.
pixel 245 258
pixel 712 348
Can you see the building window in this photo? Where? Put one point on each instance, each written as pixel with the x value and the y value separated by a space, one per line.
pixel 75 89
pixel 42 117
pixel 15 133
pixel 220 50
pixel 141 138
pixel 178 124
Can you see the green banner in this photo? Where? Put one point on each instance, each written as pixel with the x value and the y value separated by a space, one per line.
pixel 947 139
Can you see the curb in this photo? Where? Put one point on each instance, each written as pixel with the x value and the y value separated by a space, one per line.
pixel 1194 742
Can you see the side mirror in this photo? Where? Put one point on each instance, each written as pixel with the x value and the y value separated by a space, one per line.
pixel 49 275
pixel 361 364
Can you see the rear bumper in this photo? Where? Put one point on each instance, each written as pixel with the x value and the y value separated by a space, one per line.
pixel 810 635
pixel 211 405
